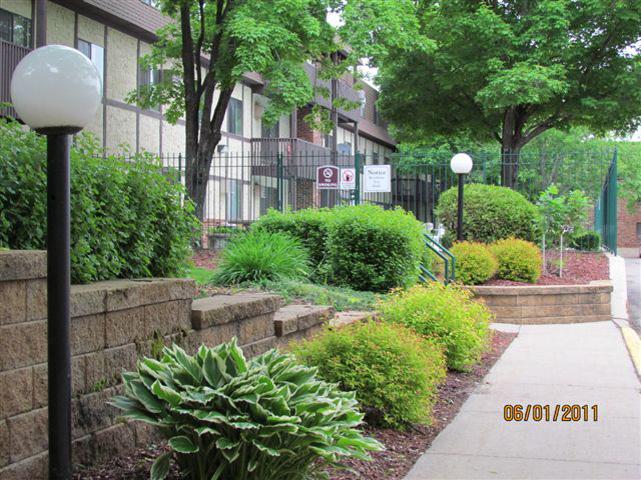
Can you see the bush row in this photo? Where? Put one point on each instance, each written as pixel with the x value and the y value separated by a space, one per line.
pixel 127 219
pixel 508 259
pixel 362 247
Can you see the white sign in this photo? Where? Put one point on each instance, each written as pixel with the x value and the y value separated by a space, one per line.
pixel 348 178
pixel 377 178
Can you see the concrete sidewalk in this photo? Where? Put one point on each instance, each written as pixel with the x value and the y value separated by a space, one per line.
pixel 547 365
pixel 633 273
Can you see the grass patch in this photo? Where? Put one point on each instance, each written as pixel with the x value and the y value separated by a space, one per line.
pixel 202 276
pixel 338 297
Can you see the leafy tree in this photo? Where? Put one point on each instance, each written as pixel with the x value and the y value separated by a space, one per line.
pixel 211 44
pixel 507 71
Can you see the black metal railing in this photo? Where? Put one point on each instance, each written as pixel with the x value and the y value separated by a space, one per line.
pixel 10 56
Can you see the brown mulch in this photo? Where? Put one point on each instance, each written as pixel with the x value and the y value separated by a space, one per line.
pixel 578 268
pixel 402 448
pixel 205 259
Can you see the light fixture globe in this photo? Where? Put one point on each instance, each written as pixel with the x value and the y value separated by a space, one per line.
pixel 56 88
pixel 461 163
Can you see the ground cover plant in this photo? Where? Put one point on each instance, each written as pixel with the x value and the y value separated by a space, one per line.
pixel 227 417
pixel 262 255
pixel 393 371
pixel 491 213
pixel 127 219
pixel 447 313
pixel 475 262
pixel 519 261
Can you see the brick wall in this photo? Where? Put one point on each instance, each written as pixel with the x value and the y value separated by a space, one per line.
pixel 113 323
pixel 305 132
pixel 627 225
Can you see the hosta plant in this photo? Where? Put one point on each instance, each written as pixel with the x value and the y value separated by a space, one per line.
pixel 229 418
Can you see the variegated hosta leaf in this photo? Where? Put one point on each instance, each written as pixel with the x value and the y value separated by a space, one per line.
pixel 226 416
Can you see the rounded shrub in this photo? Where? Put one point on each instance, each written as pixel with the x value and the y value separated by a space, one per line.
pixel 475 263
pixel 310 226
pixel 394 371
pixel 128 219
pixel 490 213
pixel 447 313
pixel 587 241
pixel 519 260
pixel 374 249
pixel 260 255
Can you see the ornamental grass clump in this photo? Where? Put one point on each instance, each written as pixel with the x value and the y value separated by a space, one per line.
pixel 447 313
pixel 226 417
pixel 260 255
pixel 394 371
pixel 475 263
pixel 519 261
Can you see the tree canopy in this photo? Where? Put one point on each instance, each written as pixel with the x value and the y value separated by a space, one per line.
pixel 211 44
pixel 507 71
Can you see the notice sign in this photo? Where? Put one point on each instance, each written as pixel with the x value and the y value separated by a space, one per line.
pixel 377 178
pixel 327 177
pixel 348 178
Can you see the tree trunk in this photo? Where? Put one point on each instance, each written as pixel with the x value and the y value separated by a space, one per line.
pixel 509 164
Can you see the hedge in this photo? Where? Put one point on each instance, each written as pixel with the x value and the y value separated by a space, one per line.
pixel 490 213
pixel 127 219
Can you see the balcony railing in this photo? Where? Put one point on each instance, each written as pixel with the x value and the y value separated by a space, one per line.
pixel 10 56
pixel 264 150
pixel 345 90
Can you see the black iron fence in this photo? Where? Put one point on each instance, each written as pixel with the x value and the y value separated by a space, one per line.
pixel 280 175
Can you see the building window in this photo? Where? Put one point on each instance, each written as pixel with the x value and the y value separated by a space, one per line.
pixel 152 3
pixel 270 131
pixel 639 231
pixel 95 53
pixel 234 190
pixel 235 117
pixel 377 118
pixel 15 28
pixel 375 158
pixel 149 77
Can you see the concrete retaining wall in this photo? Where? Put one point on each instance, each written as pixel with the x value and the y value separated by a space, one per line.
pixel 113 323
pixel 541 304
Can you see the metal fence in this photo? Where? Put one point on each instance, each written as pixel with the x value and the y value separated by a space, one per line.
pixel 243 186
pixel 605 212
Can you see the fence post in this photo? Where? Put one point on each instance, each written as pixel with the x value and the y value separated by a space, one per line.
pixel 357 178
pixel 279 181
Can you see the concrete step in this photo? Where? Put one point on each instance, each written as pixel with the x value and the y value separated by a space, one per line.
pixel 222 309
pixel 346 318
pixel 299 318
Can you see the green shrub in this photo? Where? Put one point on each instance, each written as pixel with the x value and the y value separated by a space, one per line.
pixel 127 219
pixel 490 213
pixel 230 418
pixel 588 241
pixel 519 261
pixel 394 371
pixel 374 249
pixel 261 255
pixel 447 313
pixel 475 263
pixel 309 226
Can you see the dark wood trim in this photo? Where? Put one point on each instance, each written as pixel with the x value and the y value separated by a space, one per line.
pixel 133 108
pixel 137 85
pixel 105 68
pixel 75 30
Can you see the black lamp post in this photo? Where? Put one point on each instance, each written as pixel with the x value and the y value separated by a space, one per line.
pixel 56 90
pixel 461 164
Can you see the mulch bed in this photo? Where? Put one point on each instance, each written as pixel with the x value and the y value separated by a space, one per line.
pixel 578 268
pixel 402 448
pixel 205 258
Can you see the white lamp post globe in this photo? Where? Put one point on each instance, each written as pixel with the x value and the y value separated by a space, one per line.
pixel 461 163
pixel 56 88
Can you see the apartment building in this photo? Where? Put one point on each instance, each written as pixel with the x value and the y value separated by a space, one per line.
pixel 115 34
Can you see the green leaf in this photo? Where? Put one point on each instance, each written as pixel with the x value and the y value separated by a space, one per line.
pixel 160 467
pixel 165 393
pixel 183 444
pixel 224 443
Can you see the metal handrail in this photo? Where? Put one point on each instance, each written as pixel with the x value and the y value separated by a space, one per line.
pixel 444 254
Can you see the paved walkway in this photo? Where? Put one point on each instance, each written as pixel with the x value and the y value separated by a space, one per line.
pixel 633 272
pixel 549 365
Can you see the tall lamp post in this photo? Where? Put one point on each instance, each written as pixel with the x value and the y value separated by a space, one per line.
pixel 56 90
pixel 461 164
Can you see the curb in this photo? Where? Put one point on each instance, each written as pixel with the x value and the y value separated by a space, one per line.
pixel 633 342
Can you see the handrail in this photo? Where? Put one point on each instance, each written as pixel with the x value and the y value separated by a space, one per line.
pixel 444 254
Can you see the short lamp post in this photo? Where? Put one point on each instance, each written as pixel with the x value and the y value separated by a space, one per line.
pixel 461 164
pixel 56 90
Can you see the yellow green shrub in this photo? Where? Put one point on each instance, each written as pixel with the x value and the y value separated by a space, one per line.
pixel 475 263
pixel 519 260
